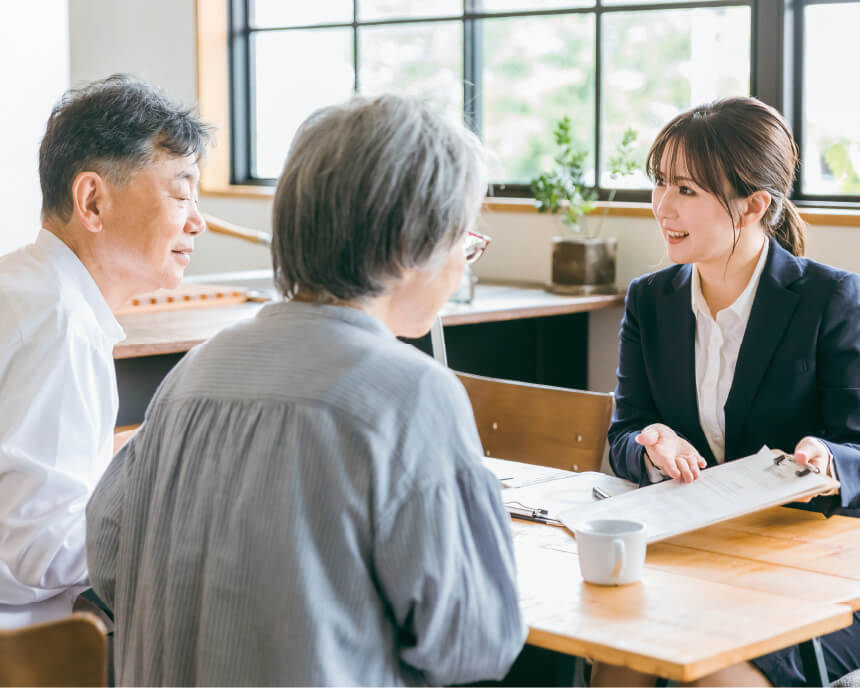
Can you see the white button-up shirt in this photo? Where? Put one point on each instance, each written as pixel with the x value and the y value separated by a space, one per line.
pixel 58 406
pixel 718 343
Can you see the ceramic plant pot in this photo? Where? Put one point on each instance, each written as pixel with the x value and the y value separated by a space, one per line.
pixel 583 266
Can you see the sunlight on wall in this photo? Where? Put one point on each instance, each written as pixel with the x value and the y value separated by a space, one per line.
pixel 34 54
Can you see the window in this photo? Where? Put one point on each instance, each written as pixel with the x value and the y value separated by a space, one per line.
pixel 829 104
pixel 511 68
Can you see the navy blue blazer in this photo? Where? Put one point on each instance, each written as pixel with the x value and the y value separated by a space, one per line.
pixel 798 369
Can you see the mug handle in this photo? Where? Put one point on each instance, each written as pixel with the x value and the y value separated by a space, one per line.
pixel 618 557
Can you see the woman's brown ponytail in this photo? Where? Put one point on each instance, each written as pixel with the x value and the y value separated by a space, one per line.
pixel 790 229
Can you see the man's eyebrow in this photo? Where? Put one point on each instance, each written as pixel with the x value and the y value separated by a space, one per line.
pixel 186 175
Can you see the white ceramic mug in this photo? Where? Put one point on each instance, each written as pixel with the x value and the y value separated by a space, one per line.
pixel 611 551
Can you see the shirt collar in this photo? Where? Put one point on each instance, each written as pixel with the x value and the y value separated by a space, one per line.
pixel 742 305
pixel 346 314
pixel 58 254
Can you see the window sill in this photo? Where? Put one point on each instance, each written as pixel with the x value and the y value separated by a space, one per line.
pixel 237 191
pixel 813 216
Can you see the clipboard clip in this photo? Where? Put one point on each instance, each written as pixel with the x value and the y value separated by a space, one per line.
pixel 806 470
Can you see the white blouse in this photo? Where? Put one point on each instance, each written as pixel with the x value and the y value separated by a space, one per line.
pixel 58 406
pixel 718 343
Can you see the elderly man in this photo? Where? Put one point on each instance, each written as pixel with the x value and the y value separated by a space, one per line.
pixel 118 170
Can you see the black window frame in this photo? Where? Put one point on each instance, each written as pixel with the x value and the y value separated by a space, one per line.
pixel 776 75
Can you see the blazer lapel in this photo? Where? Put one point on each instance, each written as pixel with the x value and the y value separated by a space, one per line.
pixel 769 318
pixel 677 351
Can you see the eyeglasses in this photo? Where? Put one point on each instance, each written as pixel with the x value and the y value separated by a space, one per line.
pixel 475 246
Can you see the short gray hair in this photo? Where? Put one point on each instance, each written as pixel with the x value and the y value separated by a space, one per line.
pixel 115 127
pixel 370 188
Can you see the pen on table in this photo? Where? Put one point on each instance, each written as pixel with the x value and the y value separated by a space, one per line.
pixel 531 517
pixel 598 493
pixel 528 514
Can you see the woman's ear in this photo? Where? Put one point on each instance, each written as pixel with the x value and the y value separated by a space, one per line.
pixel 89 200
pixel 754 207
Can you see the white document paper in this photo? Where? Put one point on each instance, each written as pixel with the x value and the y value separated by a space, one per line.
pixel 567 493
pixel 723 492
pixel 516 474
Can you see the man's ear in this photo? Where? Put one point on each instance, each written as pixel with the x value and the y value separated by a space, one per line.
pixel 754 207
pixel 90 198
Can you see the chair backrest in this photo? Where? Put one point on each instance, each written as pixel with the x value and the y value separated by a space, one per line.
pixel 548 426
pixel 68 652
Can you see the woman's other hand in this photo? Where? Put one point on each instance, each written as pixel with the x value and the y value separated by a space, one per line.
pixel 671 454
pixel 811 451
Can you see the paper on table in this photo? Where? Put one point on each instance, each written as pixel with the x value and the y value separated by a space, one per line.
pixel 516 474
pixel 726 491
pixel 566 493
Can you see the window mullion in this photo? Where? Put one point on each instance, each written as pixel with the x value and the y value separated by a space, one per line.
pixel 472 69
pixel 241 105
pixel 769 79
pixel 356 83
pixel 598 81
pixel 795 118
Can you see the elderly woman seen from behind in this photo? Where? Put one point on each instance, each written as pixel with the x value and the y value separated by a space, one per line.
pixel 305 502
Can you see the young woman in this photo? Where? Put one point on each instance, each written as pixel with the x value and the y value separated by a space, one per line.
pixel 743 342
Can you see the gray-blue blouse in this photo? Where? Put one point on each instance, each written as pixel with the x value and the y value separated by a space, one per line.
pixel 306 504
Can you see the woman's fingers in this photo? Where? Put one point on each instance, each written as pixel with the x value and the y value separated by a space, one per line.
pixel 812 452
pixel 688 467
pixel 684 470
pixel 693 467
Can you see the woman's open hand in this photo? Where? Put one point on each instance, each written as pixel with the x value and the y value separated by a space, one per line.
pixel 672 454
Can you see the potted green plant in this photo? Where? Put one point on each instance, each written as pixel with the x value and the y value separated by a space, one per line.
pixel 582 261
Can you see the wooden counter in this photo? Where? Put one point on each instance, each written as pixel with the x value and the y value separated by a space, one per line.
pixel 513 331
pixel 501 302
pixel 151 334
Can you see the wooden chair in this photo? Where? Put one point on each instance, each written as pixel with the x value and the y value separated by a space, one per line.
pixel 548 426
pixel 68 652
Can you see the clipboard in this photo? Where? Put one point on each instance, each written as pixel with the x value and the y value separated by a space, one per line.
pixel 732 489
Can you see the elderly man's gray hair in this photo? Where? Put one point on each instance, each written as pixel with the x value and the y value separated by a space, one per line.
pixel 370 188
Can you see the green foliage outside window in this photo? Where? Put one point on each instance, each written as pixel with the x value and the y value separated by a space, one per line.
pixel 838 158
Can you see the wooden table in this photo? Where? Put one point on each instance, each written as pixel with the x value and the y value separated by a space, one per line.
pixel 514 331
pixel 708 599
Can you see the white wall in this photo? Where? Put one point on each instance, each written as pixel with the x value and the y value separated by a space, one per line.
pixel 34 70
pixel 155 40
pixel 152 39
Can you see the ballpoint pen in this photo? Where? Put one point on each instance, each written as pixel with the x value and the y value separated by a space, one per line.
pixel 529 514
pixel 529 517
pixel 598 493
